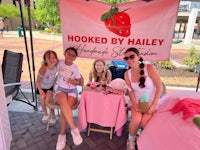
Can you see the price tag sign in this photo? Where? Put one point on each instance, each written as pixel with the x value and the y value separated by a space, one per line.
pixel 198 68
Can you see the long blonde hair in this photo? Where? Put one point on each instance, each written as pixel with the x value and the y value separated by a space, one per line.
pixel 94 72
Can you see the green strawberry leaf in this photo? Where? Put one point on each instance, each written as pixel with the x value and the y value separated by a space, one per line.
pixel 109 14
pixel 113 10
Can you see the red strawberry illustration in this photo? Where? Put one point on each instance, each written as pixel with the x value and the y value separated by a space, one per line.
pixel 117 22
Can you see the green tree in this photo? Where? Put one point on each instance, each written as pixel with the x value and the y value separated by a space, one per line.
pixel 47 12
pixel 9 11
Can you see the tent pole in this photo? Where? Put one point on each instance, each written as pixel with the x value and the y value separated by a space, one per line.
pixel 198 80
pixel 32 52
pixel 26 46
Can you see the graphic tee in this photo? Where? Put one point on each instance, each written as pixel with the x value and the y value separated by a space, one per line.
pixel 48 79
pixel 66 72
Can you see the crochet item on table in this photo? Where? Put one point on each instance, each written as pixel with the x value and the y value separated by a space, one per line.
pixel 93 84
pixel 115 91
pixel 189 107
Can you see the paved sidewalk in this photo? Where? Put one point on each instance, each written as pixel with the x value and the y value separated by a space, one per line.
pixel 35 34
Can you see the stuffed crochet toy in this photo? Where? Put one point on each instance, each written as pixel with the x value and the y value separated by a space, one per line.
pixel 189 107
pixel 93 84
pixel 117 86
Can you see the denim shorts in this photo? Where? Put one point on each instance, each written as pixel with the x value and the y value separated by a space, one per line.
pixel 70 92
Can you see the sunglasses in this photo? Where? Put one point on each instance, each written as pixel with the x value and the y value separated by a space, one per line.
pixel 131 57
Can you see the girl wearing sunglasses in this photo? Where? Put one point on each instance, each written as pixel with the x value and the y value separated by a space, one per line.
pixel 146 86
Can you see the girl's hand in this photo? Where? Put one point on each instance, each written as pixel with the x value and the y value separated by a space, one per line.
pixel 72 81
pixel 136 108
pixel 42 94
pixel 103 78
pixel 152 109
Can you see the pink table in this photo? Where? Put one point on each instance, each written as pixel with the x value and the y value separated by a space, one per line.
pixel 104 110
pixel 170 132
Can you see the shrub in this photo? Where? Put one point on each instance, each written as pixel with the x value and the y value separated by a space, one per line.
pixel 48 30
pixel 166 64
pixel 192 59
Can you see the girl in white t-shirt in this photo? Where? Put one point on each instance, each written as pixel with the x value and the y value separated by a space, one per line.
pixel 66 96
pixel 45 82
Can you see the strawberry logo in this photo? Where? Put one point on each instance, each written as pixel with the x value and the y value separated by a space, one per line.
pixel 117 22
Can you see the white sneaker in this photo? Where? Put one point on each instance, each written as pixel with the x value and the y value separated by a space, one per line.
pixel 45 119
pixel 139 132
pixel 77 139
pixel 130 144
pixel 52 122
pixel 61 142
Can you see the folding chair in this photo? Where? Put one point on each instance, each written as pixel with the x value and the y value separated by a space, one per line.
pixel 11 70
pixel 57 106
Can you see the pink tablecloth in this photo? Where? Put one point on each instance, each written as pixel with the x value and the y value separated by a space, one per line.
pixel 167 131
pixel 105 110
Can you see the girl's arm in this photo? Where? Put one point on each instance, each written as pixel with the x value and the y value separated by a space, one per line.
pixel 154 75
pixel 41 72
pixel 109 76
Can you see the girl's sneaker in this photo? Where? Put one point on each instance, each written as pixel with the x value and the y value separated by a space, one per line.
pixel 61 142
pixel 52 121
pixel 130 144
pixel 45 119
pixel 77 139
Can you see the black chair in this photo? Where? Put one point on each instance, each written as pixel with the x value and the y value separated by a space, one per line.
pixel 11 71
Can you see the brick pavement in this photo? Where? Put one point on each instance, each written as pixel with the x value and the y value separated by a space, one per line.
pixel 29 133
